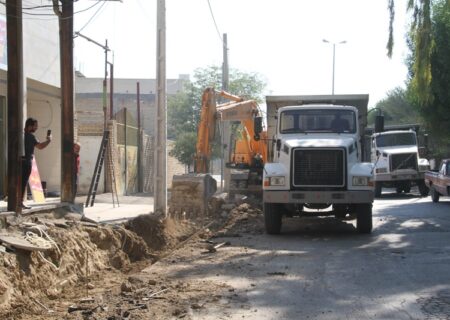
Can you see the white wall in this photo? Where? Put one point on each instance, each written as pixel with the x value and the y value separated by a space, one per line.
pixel 90 146
pixel 48 113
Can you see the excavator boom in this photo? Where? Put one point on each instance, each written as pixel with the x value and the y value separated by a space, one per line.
pixel 190 191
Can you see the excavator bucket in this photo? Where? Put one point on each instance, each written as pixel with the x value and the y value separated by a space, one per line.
pixel 190 195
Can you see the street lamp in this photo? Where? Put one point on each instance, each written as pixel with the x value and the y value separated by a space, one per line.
pixel 334 54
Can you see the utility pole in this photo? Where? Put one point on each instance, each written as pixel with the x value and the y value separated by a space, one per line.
pixel 111 90
pixel 67 98
pixel 160 198
pixel 226 131
pixel 15 103
pixel 139 142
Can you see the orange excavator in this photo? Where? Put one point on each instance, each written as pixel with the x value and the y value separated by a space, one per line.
pixel 246 159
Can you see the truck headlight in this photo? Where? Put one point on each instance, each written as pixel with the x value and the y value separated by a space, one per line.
pixel 274 181
pixel 381 170
pixel 361 181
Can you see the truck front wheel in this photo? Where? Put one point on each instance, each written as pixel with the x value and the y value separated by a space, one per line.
pixel 378 189
pixel 364 217
pixel 434 194
pixel 272 218
pixel 423 189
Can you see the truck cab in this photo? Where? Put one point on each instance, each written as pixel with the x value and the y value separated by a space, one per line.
pixel 316 163
pixel 395 155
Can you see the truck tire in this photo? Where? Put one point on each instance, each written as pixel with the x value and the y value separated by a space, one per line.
pixel 423 189
pixel 407 187
pixel 364 217
pixel 378 189
pixel 434 194
pixel 272 218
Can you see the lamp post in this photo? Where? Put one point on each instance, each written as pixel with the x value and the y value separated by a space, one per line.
pixel 334 54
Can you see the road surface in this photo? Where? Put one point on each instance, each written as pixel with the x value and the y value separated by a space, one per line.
pixel 324 269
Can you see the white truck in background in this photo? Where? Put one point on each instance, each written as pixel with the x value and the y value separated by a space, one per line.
pixel 315 160
pixel 395 155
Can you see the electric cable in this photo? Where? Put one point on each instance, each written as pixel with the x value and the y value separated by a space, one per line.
pixel 91 18
pixel 214 20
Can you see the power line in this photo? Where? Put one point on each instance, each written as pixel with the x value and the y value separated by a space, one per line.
pixel 93 16
pixel 214 20
pixel 52 15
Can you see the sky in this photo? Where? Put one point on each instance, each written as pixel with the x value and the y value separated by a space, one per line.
pixel 282 40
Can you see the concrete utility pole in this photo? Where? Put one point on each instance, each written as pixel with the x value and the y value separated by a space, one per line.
pixel 160 200
pixel 139 142
pixel 226 130
pixel 15 103
pixel 67 99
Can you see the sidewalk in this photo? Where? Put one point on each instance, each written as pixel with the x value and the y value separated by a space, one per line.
pixel 103 209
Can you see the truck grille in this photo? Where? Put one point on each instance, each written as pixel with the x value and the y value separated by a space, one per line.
pixel 318 167
pixel 404 161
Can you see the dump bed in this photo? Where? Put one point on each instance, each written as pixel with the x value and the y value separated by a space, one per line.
pixel 359 101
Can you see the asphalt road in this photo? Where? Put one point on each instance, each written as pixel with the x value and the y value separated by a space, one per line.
pixel 324 269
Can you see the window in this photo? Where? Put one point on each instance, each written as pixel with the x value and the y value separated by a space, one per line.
pixel 318 120
pixel 396 139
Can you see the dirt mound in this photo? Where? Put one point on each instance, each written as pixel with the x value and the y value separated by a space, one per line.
pixel 159 232
pixel 244 218
pixel 81 253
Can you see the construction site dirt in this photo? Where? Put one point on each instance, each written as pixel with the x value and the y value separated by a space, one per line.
pixel 133 270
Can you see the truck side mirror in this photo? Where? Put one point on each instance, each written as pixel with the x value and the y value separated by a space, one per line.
pixel 257 124
pixel 278 144
pixel 379 123
pixel 422 152
pixel 377 153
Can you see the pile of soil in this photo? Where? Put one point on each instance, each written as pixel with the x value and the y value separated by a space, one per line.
pixel 245 218
pixel 104 264
pixel 87 253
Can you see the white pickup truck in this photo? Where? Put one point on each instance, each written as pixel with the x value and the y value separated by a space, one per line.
pixel 314 163
pixel 397 163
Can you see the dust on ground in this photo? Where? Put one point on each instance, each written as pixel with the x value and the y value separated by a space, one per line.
pixel 96 271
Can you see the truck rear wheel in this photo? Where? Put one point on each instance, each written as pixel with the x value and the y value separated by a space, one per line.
pixel 377 189
pixel 272 218
pixel 423 189
pixel 364 217
pixel 434 194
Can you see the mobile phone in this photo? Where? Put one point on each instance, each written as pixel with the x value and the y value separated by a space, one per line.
pixel 49 132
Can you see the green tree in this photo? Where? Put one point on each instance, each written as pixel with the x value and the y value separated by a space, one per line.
pixel 435 108
pixel 396 109
pixel 422 39
pixel 184 108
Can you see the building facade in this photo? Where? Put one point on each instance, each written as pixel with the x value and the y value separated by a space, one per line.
pixel 42 99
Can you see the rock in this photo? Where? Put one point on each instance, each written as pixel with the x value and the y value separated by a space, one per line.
pixel 152 282
pixel 126 287
pixel 228 206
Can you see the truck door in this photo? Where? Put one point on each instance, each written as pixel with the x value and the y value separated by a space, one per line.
pixel 440 183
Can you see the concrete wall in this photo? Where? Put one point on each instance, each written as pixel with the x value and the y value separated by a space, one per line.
pixel 44 105
pixel 90 146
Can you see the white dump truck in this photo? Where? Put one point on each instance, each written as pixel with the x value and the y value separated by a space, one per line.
pixel 315 157
pixel 395 155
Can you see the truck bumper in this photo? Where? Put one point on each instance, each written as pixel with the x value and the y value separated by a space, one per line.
pixel 330 197
pixel 398 177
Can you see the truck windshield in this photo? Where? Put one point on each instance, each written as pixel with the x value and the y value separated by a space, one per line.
pixel 318 120
pixel 396 139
